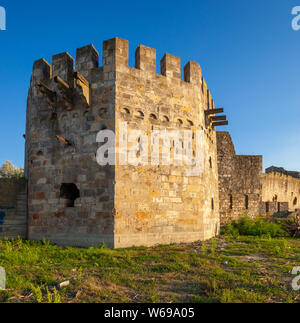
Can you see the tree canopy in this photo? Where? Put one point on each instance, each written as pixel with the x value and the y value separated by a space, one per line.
pixel 8 170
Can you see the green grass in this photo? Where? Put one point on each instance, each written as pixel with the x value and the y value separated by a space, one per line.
pixel 227 269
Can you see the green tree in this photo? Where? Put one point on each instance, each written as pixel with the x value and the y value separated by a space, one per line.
pixel 8 170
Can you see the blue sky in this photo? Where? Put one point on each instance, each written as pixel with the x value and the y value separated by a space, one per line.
pixel 249 54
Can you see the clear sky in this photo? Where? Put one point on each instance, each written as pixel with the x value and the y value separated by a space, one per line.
pixel 249 54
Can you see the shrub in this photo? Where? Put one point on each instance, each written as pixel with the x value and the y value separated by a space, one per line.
pixel 230 229
pixel 259 227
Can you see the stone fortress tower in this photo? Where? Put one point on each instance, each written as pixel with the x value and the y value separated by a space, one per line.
pixel 69 199
pixel 74 201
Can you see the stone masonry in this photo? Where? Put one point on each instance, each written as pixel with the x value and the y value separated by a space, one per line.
pixel 245 190
pixel 13 208
pixel 69 199
pixel 240 188
pixel 280 190
pixel 74 201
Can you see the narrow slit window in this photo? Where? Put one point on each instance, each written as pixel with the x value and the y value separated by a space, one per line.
pixel 267 207
pixel 295 201
pixel 246 202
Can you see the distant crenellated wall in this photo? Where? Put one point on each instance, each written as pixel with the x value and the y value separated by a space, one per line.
pixel 73 200
pixel 279 187
pixel 239 181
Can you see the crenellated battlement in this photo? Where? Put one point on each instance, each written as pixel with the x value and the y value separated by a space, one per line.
pixel 87 58
pixel 116 54
pixel 71 75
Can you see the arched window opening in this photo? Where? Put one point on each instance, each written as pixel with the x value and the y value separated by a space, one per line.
pixel 179 122
pixel 139 114
pixel 70 192
pixel 165 119
pixel 126 111
pixel 153 116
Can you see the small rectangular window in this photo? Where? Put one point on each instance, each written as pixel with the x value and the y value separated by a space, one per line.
pixel 267 207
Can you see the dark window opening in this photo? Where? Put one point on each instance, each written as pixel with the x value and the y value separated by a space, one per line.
pixel 230 202
pixel 246 202
pixel 153 116
pixel 295 201
pixel 126 111
pixel 70 192
pixel 212 204
pixel 210 162
pixel 179 122
pixel 139 114
pixel 267 207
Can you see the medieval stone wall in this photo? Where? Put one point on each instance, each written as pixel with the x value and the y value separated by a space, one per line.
pixel 13 208
pixel 239 181
pixel 72 200
pixel 279 187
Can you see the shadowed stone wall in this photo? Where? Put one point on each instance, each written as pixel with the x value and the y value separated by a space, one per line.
pixel 239 181
pixel 13 208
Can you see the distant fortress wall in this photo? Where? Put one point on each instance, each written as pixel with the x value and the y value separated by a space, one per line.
pixel 239 181
pixel 278 186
